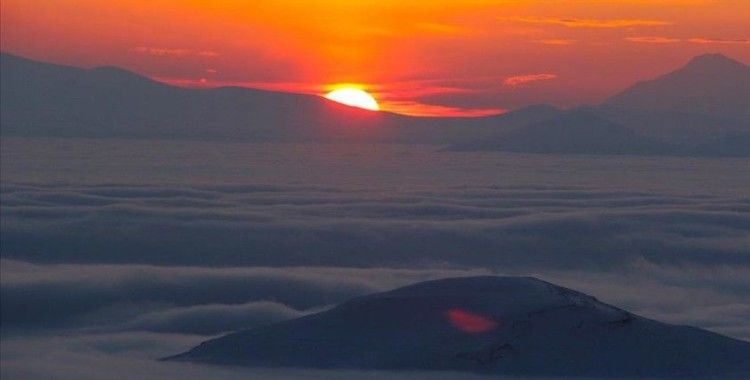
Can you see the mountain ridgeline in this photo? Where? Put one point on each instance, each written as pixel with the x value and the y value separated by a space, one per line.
pixel 493 325
pixel 702 109
pixel 47 100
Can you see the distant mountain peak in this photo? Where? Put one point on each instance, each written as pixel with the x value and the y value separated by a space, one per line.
pixel 477 286
pixel 710 84
pixel 713 58
pixel 714 63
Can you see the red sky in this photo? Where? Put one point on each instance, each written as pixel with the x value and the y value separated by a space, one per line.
pixel 436 57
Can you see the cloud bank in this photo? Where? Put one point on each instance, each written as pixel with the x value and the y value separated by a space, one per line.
pixel 593 23
pixel 524 79
pixel 695 40
pixel 96 356
pixel 257 225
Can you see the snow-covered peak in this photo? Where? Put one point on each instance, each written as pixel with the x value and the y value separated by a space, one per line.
pixel 498 325
pixel 492 295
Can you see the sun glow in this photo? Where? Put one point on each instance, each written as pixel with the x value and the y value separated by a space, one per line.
pixel 469 322
pixel 354 97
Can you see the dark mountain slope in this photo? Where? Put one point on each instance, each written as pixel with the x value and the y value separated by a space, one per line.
pixel 498 325
pixel 710 84
pixel 702 109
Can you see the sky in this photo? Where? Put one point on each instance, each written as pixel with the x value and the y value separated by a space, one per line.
pixel 442 57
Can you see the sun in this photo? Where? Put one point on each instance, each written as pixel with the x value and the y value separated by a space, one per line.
pixel 355 97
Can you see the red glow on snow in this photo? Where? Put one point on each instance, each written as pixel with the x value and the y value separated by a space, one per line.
pixel 470 322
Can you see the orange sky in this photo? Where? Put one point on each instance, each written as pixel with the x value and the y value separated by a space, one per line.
pixel 436 57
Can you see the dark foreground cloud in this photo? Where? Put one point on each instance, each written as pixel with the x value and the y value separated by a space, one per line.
pixel 541 227
pixel 212 319
pixel 181 299
pixel 132 356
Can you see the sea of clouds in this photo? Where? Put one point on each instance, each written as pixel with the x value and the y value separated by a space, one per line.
pixel 109 262
pixel 256 225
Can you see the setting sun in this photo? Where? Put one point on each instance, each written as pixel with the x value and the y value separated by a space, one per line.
pixel 354 97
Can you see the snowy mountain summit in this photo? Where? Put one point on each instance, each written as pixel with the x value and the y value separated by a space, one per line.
pixel 498 325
